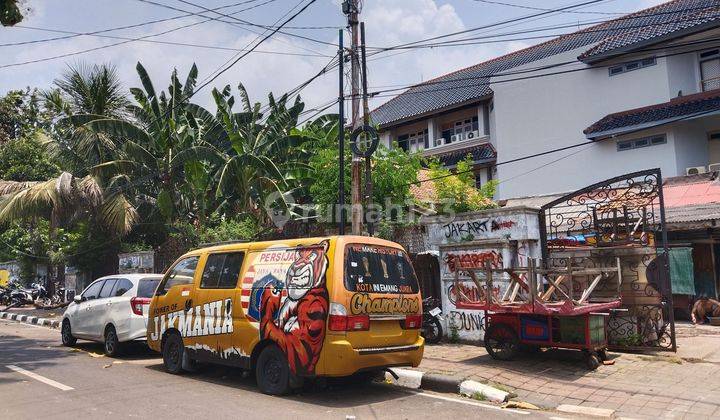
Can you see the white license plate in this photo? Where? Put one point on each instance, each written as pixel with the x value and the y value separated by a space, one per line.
pixel 435 311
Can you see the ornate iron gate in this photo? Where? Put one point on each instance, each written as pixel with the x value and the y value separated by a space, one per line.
pixel 621 218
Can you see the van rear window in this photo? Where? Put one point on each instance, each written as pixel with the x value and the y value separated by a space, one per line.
pixel 378 269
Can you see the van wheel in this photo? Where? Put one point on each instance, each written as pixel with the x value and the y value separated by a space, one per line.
pixel 111 344
pixel 68 339
pixel 272 371
pixel 173 351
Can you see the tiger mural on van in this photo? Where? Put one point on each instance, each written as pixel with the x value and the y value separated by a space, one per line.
pixel 293 314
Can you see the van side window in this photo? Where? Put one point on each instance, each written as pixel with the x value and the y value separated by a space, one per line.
pixel 182 273
pixel 222 271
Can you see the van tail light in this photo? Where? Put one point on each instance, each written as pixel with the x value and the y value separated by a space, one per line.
pixel 412 322
pixel 339 320
pixel 137 303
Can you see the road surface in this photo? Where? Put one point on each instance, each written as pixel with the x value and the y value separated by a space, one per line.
pixel 39 378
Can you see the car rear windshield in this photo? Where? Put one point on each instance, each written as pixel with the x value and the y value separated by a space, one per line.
pixel 146 287
pixel 378 269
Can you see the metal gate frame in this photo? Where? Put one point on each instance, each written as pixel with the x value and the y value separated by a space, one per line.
pixel 623 212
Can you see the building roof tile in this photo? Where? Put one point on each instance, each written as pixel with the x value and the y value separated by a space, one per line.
pixel 470 84
pixel 681 107
pixel 483 152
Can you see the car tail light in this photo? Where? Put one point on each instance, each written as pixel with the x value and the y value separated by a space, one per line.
pixel 339 320
pixel 412 322
pixel 137 303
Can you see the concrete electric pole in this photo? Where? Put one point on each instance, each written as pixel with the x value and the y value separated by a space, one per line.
pixel 352 9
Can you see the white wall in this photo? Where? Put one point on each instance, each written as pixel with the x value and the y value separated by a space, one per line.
pixel 683 74
pixel 540 114
pixel 691 143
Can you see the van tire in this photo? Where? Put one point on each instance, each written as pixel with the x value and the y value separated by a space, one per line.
pixel 272 371
pixel 173 351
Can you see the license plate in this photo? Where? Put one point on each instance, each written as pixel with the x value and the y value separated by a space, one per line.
pixel 435 311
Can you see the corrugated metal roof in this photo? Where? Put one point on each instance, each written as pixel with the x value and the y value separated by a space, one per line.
pixel 470 84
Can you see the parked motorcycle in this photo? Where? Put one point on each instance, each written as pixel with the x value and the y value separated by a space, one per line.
pixel 20 296
pixel 432 321
pixel 4 295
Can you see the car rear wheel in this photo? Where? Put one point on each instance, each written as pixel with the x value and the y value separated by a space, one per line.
pixel 66 333
pixel 172 352
pixel 112 344
pixel 272 371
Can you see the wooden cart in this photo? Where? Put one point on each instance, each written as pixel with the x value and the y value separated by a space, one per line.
pixel 532 315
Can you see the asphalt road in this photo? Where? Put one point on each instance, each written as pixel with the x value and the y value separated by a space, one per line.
pixel 39 378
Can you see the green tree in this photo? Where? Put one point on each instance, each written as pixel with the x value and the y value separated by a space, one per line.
pixel 393 170
pixel 457 191
pixel 85 93
pixel 25 159
pixel 11 12
pixel 21 114
pixel 261 158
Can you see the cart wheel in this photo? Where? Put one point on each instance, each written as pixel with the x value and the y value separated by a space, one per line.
pixel 592 361
pixel 501 342
pixel 603 355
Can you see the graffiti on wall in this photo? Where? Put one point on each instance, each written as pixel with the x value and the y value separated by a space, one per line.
pixel 478 259
pixel 472 228
pixel 470 291
pixel 467 321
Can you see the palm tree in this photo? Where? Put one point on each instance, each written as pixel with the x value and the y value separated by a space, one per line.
pixel 85 93
pixel 64 200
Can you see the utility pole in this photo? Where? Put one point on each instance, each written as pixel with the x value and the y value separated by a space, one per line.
pixel 341 133
pixel 366 121
pixel 351 9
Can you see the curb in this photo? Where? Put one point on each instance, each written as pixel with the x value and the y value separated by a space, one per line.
pixel 33 320
pixel 444 383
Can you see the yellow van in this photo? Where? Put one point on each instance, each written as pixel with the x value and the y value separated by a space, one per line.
pixel 290 310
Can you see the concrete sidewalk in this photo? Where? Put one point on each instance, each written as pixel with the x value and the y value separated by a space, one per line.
pixel 682 385
pixel 31 315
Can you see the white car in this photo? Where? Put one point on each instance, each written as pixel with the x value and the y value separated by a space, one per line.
pixel 111 310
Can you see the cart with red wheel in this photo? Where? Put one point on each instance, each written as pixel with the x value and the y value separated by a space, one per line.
pixel 531 315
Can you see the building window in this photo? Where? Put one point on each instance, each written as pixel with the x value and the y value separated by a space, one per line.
pixel 465 129
pixel 413 142
pixel 641 142
pixel 632 65
pixel 710 70
pixel 478 179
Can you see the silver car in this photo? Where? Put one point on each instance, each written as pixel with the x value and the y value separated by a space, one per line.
pixel 111 310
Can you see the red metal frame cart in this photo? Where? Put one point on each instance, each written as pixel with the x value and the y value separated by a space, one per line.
pixel 534 314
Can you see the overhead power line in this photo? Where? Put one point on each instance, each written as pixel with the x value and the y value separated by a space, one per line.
pixel 183 44
pixel 541 68
pixel 118 28
pixel 522 6
pixel 556 150
pixel 597 23
pixel 234 20
pixel 504 22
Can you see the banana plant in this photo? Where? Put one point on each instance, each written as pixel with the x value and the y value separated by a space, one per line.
pixel 158 145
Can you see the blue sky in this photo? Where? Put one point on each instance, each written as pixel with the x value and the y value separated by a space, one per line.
pixel 388 22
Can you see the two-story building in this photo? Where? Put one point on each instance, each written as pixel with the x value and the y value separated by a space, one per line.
pixel 631 93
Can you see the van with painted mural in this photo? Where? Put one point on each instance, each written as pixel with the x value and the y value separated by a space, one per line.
pixel 290 310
